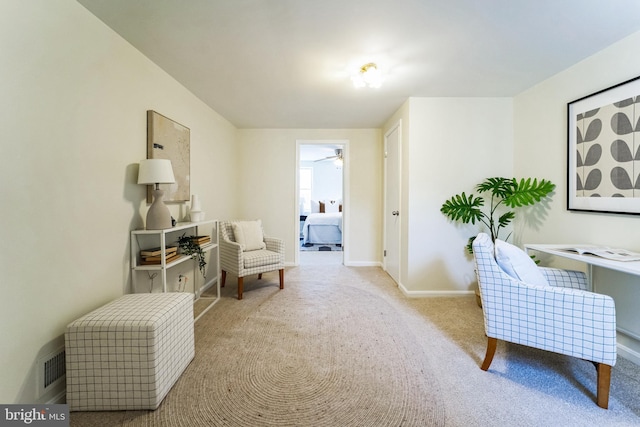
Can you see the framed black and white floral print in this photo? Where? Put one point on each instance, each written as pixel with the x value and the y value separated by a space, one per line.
pixel 603 173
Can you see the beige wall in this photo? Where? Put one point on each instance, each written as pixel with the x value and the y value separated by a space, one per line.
pixel 267 177
pixel 541 150
pixel 74 101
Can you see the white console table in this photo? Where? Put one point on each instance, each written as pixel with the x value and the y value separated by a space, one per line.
pixel 628 267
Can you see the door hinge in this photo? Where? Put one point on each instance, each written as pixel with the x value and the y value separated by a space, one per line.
pixel 384 253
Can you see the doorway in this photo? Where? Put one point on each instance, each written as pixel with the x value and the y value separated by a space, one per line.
pixel 321 201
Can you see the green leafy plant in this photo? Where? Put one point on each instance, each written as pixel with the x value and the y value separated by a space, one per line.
pixel 189 247
pixel 504 192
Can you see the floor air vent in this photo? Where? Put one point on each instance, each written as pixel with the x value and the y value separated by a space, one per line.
pixel 52 370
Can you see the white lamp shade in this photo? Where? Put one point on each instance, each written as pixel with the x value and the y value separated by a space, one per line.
pixel 155 171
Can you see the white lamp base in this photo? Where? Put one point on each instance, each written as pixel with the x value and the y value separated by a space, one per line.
pixel 158 216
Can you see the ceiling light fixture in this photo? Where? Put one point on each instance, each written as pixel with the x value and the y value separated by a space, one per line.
pixel 367 75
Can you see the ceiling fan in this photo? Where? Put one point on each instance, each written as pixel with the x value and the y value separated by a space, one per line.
pixel 337 157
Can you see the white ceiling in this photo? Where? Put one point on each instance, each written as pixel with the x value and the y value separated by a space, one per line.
pixel 286 63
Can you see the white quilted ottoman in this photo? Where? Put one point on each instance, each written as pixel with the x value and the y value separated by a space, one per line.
pixel 129 353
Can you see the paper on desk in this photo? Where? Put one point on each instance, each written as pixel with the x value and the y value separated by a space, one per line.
pixel 604 252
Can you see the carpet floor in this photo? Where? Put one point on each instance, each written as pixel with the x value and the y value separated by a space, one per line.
pixel 342 346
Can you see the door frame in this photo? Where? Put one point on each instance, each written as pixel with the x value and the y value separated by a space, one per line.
pixel 345 193
pixel 398 126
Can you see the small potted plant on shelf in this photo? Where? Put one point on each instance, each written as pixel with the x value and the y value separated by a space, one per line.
pixel 189 247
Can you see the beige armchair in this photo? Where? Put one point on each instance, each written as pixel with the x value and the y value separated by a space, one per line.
pixel 244 250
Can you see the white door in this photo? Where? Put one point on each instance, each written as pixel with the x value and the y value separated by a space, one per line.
pixel 392 214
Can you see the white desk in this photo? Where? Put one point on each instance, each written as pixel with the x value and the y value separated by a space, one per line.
pixel 629 267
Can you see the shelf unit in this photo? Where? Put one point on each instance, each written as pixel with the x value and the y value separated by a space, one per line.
pixel 145 239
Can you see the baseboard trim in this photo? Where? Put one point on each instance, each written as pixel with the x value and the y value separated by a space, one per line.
pixel 434 294
pixel 629 354
pixel 59 398
pixel 362 264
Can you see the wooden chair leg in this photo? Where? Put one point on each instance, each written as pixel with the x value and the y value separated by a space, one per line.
pixel 240 285
pixel 223 278
pixel 604 381
pixel 491 350
pixel 259 276
pixel 281 273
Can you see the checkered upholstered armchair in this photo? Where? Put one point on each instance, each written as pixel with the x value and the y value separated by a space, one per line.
pixel 561 316
pixel 242 257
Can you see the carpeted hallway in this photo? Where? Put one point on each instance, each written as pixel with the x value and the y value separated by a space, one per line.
pixel 342 346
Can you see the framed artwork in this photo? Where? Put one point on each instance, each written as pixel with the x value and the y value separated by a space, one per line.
pixel 167 139
pixel 603 173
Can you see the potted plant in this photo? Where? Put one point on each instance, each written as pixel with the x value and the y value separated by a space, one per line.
pixel 504 193
pixel 189 247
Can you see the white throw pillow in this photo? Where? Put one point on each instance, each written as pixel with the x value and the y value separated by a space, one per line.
pixel 330 207
pixel 517 264
pixel 315 206
pixel 249 234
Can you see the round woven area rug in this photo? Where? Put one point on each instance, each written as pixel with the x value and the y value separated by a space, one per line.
pixel 312 354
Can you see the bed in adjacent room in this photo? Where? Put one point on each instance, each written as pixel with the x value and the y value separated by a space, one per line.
pixel 322 228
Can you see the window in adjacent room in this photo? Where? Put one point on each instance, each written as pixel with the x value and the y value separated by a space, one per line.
pixel 306 183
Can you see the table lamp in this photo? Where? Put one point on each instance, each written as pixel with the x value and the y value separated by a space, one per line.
pixel 157 171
